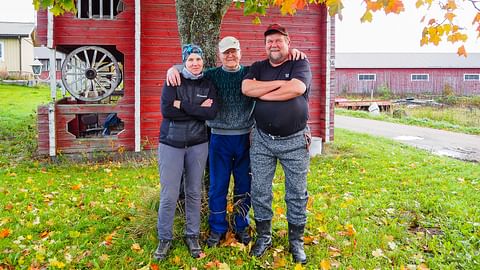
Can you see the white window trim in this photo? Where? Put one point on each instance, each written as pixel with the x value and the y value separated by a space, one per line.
pixel 367 74
pixel 2 51
pixel 419 74
pixel 470 80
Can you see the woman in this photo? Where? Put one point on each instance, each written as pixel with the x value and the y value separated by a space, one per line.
pixel 183 147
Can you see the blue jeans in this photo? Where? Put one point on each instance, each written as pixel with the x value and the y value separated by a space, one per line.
pixel 229 154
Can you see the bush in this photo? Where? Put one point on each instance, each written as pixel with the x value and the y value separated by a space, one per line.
pixel 385 92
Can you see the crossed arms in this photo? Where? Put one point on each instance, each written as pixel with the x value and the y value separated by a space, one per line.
pixel 277 90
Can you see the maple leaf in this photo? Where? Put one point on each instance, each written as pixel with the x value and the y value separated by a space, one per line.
pixel 461 51
pixel 4 233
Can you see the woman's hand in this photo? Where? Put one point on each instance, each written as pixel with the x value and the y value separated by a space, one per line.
pixel 176 104
pixel 207 103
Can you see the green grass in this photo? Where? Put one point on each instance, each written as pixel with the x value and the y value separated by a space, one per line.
pixel 458 119
pixel 374 204
pixel 18 105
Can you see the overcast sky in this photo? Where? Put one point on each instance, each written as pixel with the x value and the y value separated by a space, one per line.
pixel 392 33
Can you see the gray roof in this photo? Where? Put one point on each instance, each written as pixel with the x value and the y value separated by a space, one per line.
pixel 15 29
pixel 406 60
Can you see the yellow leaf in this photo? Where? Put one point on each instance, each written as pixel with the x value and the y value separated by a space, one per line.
pixel 449 16
pixel 367 17
pixel 177 260
pixel 223 266
pixel 136 247
pixel 422 267
pixel 325 264
pixel 298 267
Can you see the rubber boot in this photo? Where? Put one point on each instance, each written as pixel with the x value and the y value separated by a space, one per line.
pixel 264 238
pixel 295 238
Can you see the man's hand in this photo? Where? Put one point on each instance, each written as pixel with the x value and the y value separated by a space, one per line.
pixel 173 77
pixel 207 103
pixel 295 54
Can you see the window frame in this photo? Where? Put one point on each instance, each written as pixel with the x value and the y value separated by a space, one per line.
pixel 471 74
pixel 419 80
pixel 2 51
pixel 367 80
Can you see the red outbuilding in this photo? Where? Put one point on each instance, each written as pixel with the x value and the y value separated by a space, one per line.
pixel 118 52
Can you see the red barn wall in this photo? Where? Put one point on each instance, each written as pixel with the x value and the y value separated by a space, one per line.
pixel 399 82
pixel 160 48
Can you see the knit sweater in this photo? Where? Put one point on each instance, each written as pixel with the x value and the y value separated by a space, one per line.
pixel 234 108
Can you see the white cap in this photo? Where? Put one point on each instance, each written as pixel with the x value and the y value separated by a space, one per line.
pixel 228 43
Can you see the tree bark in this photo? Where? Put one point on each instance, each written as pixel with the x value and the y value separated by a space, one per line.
pixel 199 22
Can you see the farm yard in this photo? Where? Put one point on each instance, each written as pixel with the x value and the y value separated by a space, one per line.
pixel 367 210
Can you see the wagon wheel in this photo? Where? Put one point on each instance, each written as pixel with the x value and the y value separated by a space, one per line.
pixel 90 73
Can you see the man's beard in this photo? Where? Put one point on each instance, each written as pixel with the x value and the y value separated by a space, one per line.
pixel 276 57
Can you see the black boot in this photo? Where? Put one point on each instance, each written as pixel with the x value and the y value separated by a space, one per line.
pixel 264 238
pixel 214 239
pixel 295 238
pixel 162 249
pixel 243 236
pixel 193 245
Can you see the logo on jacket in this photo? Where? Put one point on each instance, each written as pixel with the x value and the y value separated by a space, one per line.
pixel 287 75
pixel 202 96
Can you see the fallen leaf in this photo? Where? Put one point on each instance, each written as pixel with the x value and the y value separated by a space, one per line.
pixel 136 247
pixel 423 267
pixel 177 260
pixel 104 257
pixel 4 233
pixel 334 252
pixel 377 253
pixel 298 266
pixel 76 187
pixel 392 245
pixel 325 264
pixel 44 234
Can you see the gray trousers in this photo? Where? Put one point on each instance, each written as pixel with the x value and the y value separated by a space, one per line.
pixel 172 162
pixel 293 155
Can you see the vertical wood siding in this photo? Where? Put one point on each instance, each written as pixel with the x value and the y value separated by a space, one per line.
pixel 160 49
pixel 399 81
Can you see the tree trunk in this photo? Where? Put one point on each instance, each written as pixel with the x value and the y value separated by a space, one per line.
pixel 199 23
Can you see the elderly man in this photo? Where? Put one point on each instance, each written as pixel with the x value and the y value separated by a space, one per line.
pixel 280 88
pixel 229 142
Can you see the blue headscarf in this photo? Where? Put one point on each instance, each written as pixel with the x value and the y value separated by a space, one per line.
pixel 186 51
pixel 189 49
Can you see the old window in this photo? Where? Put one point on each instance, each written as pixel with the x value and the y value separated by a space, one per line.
pixel 99 9
pixel 367 77
pixel 2 52
pixel 419 77
pixel 471 77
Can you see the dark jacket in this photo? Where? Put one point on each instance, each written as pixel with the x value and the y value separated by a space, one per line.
pixel 186 126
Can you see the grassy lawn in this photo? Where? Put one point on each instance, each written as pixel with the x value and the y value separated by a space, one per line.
pixel 374 204
pixel 458 119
